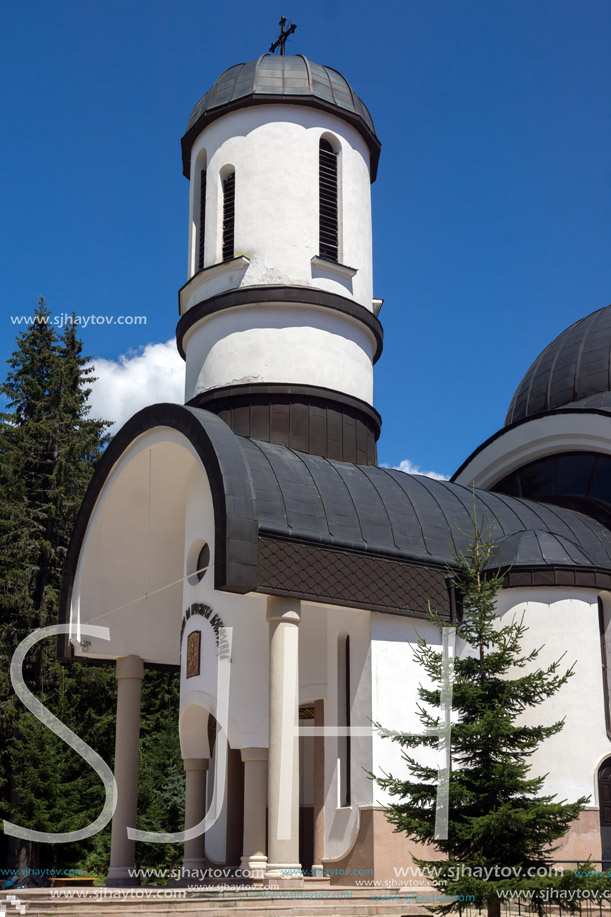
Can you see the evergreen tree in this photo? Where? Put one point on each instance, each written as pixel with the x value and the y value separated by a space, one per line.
pixel 499 816
pixel 48 448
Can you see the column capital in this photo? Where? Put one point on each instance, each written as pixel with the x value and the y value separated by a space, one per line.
pixel 130 667
pixel 195 764
pixel 280 608
pixel 254 754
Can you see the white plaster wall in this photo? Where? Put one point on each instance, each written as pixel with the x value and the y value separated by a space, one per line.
pixel 395 680
pixel 274 151
pixel 559 621
pixel 341 824
pixel 245 615
pixel 296 344
pixel 577 431
pixel 566 621
pixel 132 548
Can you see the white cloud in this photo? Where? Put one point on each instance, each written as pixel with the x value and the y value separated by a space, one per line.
pixel 136 379
pixel 409 468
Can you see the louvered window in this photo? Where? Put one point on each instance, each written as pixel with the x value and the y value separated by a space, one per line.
pixel 228 216
pixel 328 221
pixel 202 217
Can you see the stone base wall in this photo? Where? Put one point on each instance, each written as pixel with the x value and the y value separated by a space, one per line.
pixel 390 855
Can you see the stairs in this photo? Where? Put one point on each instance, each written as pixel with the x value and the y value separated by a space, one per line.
pixel 174 902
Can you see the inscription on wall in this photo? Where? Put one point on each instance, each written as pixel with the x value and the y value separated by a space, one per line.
pixel 214 620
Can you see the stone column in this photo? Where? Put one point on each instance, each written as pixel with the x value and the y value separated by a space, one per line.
pixel 194 857
pixel 283 616
pixel 130 672
pixel 254 860
pixel 319 790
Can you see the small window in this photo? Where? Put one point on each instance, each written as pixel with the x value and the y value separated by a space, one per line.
pixel 203 561
pixel 228 216
pixel 327 190
pixel 202 218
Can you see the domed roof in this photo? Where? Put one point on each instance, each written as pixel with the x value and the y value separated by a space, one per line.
pixel 289 79
pixel 573 371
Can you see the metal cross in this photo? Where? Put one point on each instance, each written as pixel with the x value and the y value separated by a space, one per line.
pixel 280 42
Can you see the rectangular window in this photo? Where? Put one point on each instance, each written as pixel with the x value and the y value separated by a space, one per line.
pixel 228 216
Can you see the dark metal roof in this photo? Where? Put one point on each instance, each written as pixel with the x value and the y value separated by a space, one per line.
pixel 291 79
pixel 575 370
pixel 390 513
pixel 349 534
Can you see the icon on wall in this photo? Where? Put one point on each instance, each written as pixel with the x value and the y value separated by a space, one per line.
pixel 193 648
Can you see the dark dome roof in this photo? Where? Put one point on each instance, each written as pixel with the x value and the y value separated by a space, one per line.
pixel 573 371
pixel 274 78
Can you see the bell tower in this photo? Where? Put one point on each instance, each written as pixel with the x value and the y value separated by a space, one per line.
pixel 278 324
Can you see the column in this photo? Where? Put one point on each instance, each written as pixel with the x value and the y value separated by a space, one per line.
pixel 283 616
pixel 254 860
pixel 319 790
pixel 130 671
pixel 194 858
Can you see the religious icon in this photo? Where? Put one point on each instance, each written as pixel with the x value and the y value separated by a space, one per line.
pixel 193 644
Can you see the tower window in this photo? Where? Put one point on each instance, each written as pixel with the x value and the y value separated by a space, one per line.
pixel 328 218
pixel 228 216
pixel 202 217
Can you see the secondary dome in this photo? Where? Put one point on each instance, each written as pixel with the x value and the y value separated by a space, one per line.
pixel 275 78
pixel 573 371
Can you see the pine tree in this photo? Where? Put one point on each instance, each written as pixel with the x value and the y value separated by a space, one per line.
pixel 499 815
pixel 48 448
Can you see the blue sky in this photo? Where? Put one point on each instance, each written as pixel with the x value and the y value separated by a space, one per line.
pixel 492 208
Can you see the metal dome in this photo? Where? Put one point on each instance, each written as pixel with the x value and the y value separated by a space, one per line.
pixel 289 79
pixel 573 371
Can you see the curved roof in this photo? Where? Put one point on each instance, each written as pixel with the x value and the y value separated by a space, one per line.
pixel 289 523
pixel 391 513
pixel 574 370
pixel 289 79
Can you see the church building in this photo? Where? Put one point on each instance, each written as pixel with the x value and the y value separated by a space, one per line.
pixel 250 540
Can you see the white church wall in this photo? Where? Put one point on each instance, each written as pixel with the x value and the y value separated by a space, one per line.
pixel 274 150
pixel 560 621
pixel 245 615
pixel 578 431
pixel 302 344
pixel 395 679
pixel 563 620
pixel 342 822
pixel 133 547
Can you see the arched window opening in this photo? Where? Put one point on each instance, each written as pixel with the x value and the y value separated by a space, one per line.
pixel 228 216
pixel 328 223
pixel 202 219
pixel 604 624
pixel 344 751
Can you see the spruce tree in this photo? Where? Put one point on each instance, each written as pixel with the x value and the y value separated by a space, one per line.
pixel 48 448
pixel 499 815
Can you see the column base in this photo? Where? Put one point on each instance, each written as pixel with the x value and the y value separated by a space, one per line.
pixel 285 875
pixel 254 868
pixel 193 871
pixel 119 877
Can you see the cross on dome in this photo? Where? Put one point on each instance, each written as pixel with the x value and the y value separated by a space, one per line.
pixel 281 41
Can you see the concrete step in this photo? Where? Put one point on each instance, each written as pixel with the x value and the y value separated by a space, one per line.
pixel 161 902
